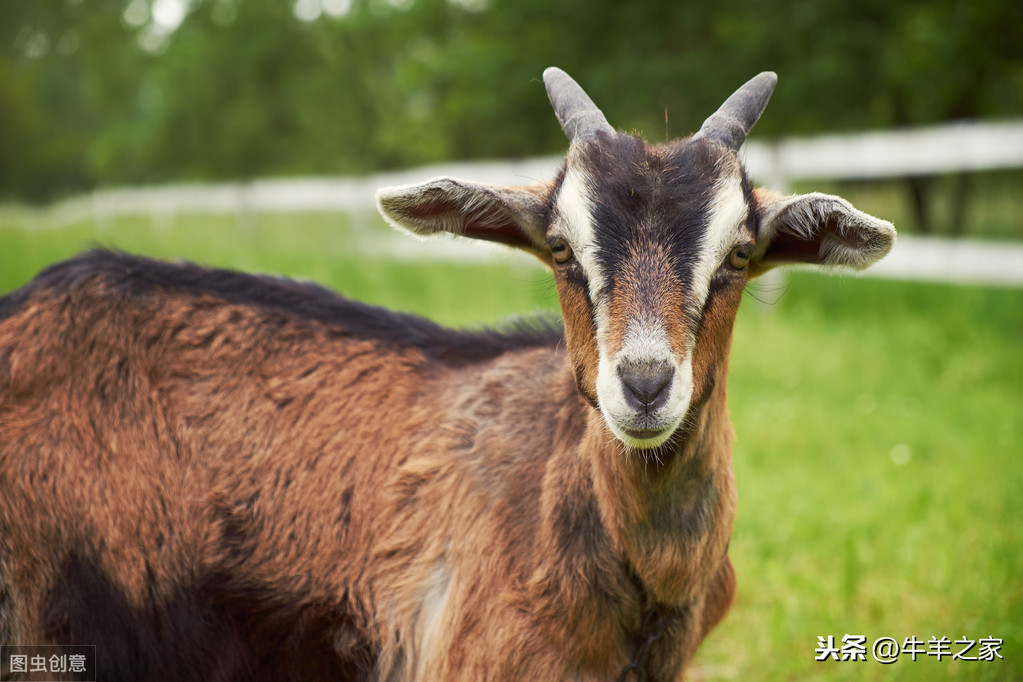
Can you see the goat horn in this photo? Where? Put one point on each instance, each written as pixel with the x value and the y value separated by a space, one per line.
pixel 578 115
pixel 733 121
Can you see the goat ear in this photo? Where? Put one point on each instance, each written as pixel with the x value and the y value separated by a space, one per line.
pixel 513 215
pixel 816 228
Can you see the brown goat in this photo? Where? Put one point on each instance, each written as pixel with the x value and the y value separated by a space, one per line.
pixel 216 476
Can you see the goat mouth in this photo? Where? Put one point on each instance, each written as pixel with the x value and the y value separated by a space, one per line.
pixel 643 439
pixel 643 434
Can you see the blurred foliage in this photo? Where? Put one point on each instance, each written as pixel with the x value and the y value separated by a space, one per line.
pixel 139 91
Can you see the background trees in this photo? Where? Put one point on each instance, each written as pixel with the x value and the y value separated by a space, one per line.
pixel 138 91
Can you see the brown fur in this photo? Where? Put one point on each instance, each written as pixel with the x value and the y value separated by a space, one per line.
pixel 647 282
pixel 262 478
pixel 213 476
pixel 580 337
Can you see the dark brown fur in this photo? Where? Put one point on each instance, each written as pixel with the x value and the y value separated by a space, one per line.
pixel 212 476
pixel 216 476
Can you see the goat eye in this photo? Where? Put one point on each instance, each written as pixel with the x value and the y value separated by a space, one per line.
pixel 561 251
pixel 739 257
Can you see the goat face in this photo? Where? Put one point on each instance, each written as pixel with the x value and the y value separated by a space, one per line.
pixel 651 247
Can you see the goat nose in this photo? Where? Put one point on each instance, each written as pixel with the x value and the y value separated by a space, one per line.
pixel 646 383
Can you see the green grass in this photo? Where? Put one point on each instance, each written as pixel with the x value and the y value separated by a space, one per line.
pixel 879 437
pixel 880 431
pixel 322 248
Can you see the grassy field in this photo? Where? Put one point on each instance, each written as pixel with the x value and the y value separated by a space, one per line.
pixel 880 436
pixel 322 248
pixel 878 461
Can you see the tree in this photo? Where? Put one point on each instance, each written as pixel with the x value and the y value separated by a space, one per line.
pixel 98 92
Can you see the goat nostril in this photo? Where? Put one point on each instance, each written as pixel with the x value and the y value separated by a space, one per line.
pixel 646 383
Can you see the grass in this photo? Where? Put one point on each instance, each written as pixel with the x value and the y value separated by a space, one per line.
pixel 322 248
pixel 879 437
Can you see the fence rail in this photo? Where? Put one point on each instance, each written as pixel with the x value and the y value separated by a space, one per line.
pixel 958 147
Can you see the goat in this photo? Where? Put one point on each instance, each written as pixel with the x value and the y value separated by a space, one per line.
pixel 217 476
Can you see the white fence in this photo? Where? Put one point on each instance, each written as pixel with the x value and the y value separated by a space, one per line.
pixel 924 151
pixel 968 146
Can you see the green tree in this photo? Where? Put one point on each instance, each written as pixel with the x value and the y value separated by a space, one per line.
pixel 96 91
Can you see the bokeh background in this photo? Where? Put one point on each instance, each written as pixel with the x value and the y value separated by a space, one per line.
pixel 880 423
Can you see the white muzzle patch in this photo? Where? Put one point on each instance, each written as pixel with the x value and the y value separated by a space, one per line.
pixel 645 390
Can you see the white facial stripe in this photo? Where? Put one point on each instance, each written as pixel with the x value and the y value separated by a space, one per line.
pixel 728 210
pixel 576 212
